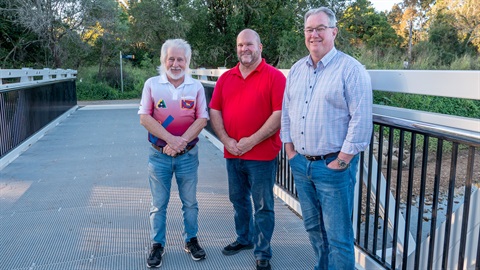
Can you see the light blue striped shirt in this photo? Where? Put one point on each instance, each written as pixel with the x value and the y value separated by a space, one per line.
pixel 327 109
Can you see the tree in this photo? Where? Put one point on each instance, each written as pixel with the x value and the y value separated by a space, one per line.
pixel 19 47
pixel 466 21
pixel 54 21
pixel 155 21
pixel 444 38
pixel 411 17
pixel 218 23
pixel 363 26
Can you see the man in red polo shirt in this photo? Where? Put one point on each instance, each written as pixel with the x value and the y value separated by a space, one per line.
pixel 245 113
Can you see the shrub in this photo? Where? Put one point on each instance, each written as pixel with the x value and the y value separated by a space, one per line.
pixel 92 86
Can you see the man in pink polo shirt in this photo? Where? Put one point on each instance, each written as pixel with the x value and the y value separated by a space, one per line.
pixel 173 109
pixel 245 111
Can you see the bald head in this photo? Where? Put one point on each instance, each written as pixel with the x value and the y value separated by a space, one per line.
pixel 250 32
pixel 249 48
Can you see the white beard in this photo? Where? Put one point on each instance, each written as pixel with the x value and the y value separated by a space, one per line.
pixel 175 76
pixel 162 70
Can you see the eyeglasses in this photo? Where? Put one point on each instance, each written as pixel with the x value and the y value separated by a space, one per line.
pixel 319 29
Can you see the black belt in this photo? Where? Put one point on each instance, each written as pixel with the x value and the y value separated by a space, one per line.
pixel 188 148
pixel 315 158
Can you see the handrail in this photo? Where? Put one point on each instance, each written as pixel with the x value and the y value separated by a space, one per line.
pixel 445 83
pixel 26 77
pixel 399 156
pixel 445 132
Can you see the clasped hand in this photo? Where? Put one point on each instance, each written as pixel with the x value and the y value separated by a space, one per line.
pixel 238 148
pixel 175 146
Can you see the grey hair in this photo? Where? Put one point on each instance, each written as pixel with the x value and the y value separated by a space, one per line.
pixel 332 19
pixel 174 43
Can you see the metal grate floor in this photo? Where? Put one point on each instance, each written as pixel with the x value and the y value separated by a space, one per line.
pixel 79 199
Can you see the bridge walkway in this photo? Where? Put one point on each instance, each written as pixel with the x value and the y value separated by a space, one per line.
pixel 78 198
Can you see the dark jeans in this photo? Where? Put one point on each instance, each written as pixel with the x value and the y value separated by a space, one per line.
pixel 253 180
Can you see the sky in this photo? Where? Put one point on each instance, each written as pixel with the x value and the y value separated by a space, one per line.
pixel 382 5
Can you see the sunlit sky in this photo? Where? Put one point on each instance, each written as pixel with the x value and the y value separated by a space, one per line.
pixel 382 5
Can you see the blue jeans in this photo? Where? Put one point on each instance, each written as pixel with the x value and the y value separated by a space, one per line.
pixel 326 199
pixel 253 180
pixel 161 168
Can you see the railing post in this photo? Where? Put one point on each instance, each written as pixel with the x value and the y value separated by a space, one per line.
pixel 26 77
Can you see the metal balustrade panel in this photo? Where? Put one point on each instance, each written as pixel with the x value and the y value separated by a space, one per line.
pixel 25 111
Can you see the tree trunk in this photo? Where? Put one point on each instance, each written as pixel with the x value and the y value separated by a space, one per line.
pixel 410 37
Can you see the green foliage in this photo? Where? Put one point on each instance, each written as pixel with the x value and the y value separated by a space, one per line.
pixel 17 44
pixel 444 40
pixel 289 54
pixel 379 58
pixel 360 25
pixel 466 62
pixel 444 105
pixel 91 86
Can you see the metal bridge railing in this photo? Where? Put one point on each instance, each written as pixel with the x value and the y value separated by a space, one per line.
pixel 30 99
pixel 417 197
pixel 417 192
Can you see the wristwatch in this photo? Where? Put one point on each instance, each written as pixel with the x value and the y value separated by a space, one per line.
pixel 342 164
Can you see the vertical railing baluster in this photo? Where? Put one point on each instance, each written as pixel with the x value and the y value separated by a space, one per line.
pixel 423 181
pixel 378 187
pixel 360 194
pixel 466 206
pixel 411 169
pixel 436 187
pixel 387 193
pixel 477 261
pixel 398 189
pixel 367 196
pixel 451 191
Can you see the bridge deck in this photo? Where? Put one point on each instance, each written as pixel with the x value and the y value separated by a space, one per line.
pixel 79 199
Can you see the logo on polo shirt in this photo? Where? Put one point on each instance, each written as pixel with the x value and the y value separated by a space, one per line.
pixel 188 104
pixel 161 104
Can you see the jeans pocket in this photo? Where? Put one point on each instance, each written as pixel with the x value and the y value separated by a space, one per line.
pixel 294 156
pixel 332 159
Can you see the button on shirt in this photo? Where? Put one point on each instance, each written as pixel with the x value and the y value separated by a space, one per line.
pixel 328 108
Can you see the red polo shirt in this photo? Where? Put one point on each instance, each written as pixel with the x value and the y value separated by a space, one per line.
pixel 246 104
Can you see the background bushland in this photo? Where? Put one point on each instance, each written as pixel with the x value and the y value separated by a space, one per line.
pixel 89 36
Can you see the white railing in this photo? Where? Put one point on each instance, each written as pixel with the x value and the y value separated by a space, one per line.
pixel 454 84
pixel 17 78
pixel 446 83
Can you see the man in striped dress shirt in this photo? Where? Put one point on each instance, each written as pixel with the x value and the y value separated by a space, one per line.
pixel 326 122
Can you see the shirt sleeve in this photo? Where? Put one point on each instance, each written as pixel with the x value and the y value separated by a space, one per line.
pixel 146 103
pixel 202 110
pixel 359 96
pixel 278 89
pixel 285 120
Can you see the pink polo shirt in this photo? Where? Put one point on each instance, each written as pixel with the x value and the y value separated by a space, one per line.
pixel 175 108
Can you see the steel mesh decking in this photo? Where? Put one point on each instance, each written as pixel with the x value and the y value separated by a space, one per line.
pixel 79 199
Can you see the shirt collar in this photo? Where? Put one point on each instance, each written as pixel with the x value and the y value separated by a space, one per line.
pixel 237 72
pixel 325 60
